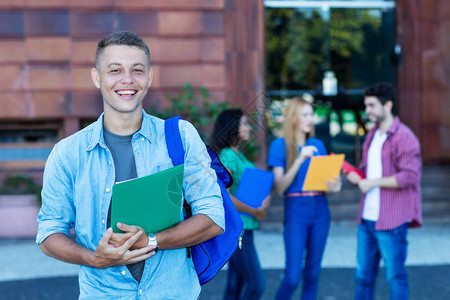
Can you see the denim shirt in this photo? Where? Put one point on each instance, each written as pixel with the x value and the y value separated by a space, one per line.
pixel 78 179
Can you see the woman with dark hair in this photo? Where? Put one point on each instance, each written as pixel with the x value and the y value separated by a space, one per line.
pixel 306 213
pixel 245 278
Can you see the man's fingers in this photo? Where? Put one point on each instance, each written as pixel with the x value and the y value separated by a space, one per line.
pixel 141 257
pixel 106 236
pixel 122 236
pixel 142 251
pixel 130 242
pixel 353 177
pixel 128 228
pixel 114 243
pixel 139 254
pixel 356 175
pixel 124 227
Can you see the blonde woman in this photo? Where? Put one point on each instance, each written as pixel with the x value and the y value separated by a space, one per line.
pixel 306 213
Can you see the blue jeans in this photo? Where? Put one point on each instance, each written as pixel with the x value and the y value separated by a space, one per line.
pixel 245 279
pixel 391 245
pixel 306 225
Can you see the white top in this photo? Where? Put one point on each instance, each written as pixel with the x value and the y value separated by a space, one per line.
pixel 371 209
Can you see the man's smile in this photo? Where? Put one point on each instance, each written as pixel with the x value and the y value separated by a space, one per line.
pixel 126 92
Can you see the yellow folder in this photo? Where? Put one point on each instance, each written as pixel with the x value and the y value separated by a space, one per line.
pixel 322 168
pixel 152 202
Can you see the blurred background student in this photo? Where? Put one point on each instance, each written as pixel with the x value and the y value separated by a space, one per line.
pixel 306 213
pixel 245 278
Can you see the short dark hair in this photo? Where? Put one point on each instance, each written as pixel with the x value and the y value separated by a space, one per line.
pixel 226 129
pixel 126 38
pixel 384 92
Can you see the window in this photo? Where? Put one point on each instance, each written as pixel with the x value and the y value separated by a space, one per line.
pixel 26 144
pixel 351 41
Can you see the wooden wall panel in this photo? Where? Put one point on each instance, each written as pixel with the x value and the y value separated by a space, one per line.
pixel 49 46
pixel 244 27
pixel 424 93
pixel 47 49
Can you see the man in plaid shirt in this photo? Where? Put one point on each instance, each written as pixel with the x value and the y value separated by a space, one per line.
pixel 391 202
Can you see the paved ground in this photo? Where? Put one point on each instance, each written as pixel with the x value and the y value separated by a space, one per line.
pixel 427 283
pixel 25 273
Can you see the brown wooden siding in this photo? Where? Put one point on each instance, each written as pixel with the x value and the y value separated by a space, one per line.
pixel 47 49
pixel 423 29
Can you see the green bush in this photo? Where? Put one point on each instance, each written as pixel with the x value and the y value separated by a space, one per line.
pixel 194 108
pixel 20 184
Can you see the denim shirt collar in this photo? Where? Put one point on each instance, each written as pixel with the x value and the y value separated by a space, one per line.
pixel 147 127
pixel 97 131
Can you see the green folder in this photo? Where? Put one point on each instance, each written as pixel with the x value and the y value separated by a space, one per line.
pixel 152 202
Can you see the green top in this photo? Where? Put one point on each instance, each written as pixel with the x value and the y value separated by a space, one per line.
pixel 236 163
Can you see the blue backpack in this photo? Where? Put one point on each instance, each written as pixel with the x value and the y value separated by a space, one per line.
pixel 210 256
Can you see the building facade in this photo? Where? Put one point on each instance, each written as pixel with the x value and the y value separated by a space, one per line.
pixel 47 49
pixel 423 29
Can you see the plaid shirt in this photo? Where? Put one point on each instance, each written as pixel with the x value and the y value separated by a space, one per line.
pixel 401 158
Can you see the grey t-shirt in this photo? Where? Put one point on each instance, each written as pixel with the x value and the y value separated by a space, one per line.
pixel 125 167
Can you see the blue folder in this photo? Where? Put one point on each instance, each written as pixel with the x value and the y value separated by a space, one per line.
pixel 254 187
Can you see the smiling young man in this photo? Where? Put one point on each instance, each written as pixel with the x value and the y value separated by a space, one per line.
pixel 392 199
pixel 125 143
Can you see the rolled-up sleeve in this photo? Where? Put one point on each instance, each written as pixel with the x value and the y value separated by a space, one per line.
pixel 408 161
pixel 200 183
pixel 57 214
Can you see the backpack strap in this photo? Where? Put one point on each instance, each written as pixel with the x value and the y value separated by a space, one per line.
pixel 173 141
pixel 176 154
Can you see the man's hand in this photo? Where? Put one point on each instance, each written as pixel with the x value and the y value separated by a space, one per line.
pixel 118 239
pixel 107 255
pixel 365 185
pixel 353 177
